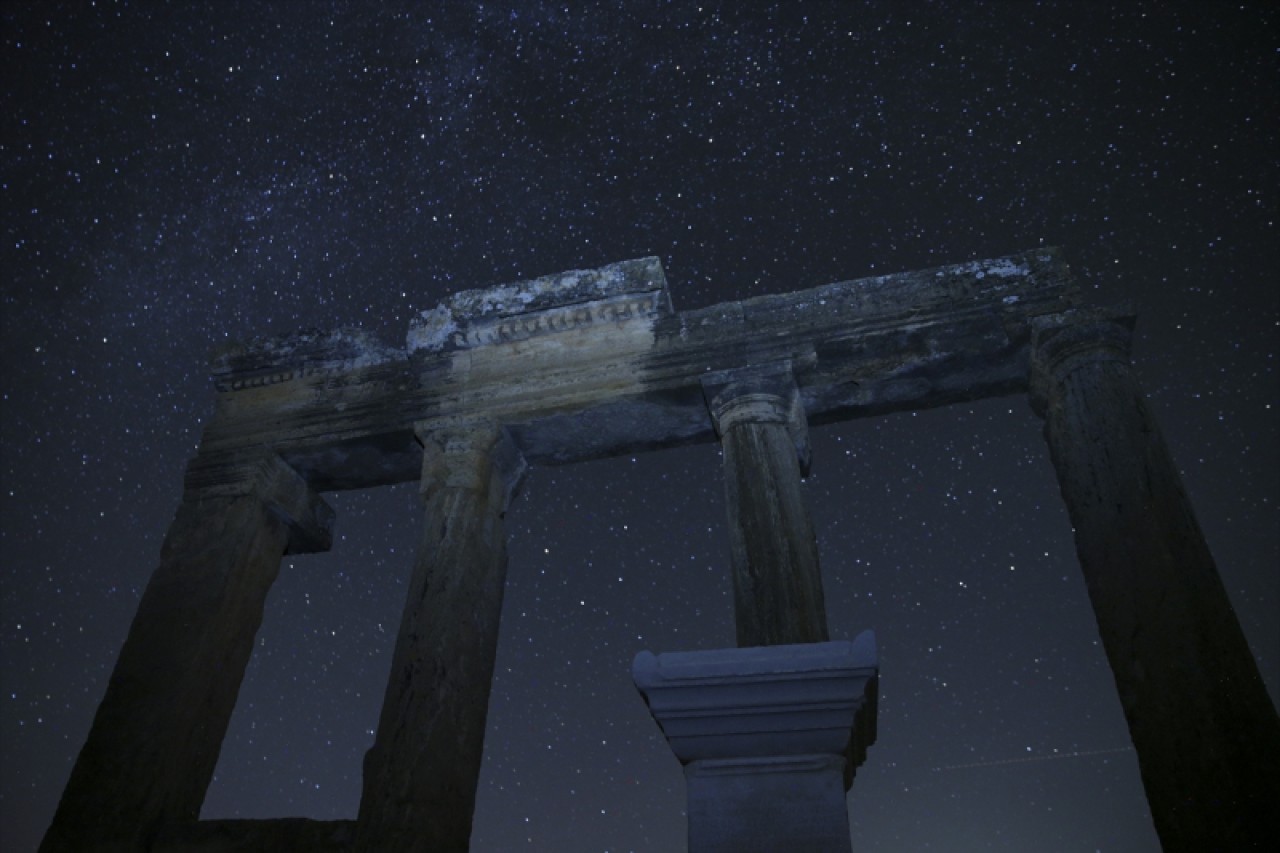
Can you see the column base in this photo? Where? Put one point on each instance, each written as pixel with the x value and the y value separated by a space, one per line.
pixel 769 736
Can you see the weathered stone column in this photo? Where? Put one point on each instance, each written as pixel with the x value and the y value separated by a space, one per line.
pixel 769 738
pixel 155 740
pixel 420 776
pixel 777 583
pixel 1205 730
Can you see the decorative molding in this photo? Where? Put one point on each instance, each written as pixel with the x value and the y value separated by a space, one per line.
pixel 306 353
pixel 522 327
pixel 617 294
pixel 763 700
pixel 595 364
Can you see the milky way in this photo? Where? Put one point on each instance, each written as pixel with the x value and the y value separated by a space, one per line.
pixel 177 176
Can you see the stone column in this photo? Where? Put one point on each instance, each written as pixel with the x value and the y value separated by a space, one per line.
pixel 769 738
pixel 777 583
pixel 1203 726
pixel 420 776
pixel 155 740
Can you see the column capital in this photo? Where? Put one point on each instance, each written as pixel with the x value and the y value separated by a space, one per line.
pixel 760 394
pixel 458 452
pixel 1063 343
pixel 284 492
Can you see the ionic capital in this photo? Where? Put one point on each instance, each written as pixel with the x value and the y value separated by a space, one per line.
pixel 1063 343
pixel 761 394
pixel 463 453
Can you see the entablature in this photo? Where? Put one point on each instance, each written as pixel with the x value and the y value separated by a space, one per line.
pixel 588 364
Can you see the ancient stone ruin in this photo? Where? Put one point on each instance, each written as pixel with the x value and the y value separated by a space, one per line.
pixel 594 363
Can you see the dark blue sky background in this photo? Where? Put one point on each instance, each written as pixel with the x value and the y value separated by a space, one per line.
pixel 180 174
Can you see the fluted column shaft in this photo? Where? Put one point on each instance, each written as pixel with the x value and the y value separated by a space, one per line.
pixel 420 776
pixel 1203 726
pixel 777 582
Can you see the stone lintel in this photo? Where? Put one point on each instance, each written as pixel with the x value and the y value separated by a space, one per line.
pixel 614 294
pixel 765 393
pixel 803 699
pixel 1016 286
pixel 573 393
pixel 268 361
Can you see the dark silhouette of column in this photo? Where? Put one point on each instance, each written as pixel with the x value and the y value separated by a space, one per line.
pixel 155 740
pixel 420 776
pixel 777 583
pixel 1204 728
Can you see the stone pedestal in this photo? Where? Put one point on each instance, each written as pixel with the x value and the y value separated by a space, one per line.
pixel 769 738
pixel 777 582
pixel 420 776
pixel 1204 728
pixel 156 737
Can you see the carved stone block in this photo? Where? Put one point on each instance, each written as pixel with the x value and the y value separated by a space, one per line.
pixel 769 737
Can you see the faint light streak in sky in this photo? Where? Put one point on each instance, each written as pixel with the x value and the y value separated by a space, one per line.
pixel 1085 753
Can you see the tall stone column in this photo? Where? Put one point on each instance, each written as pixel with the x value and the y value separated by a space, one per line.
pixel 777 583
pixel 1205 730
pixel 155 740
pixel 420 776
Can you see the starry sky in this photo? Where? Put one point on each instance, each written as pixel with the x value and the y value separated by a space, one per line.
pixel 176 175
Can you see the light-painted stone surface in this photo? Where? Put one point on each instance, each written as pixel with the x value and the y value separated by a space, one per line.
pixel 595 363
pixel 769 737
pixel 618 294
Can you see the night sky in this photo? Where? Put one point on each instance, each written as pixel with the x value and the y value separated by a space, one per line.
pixel 176 175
